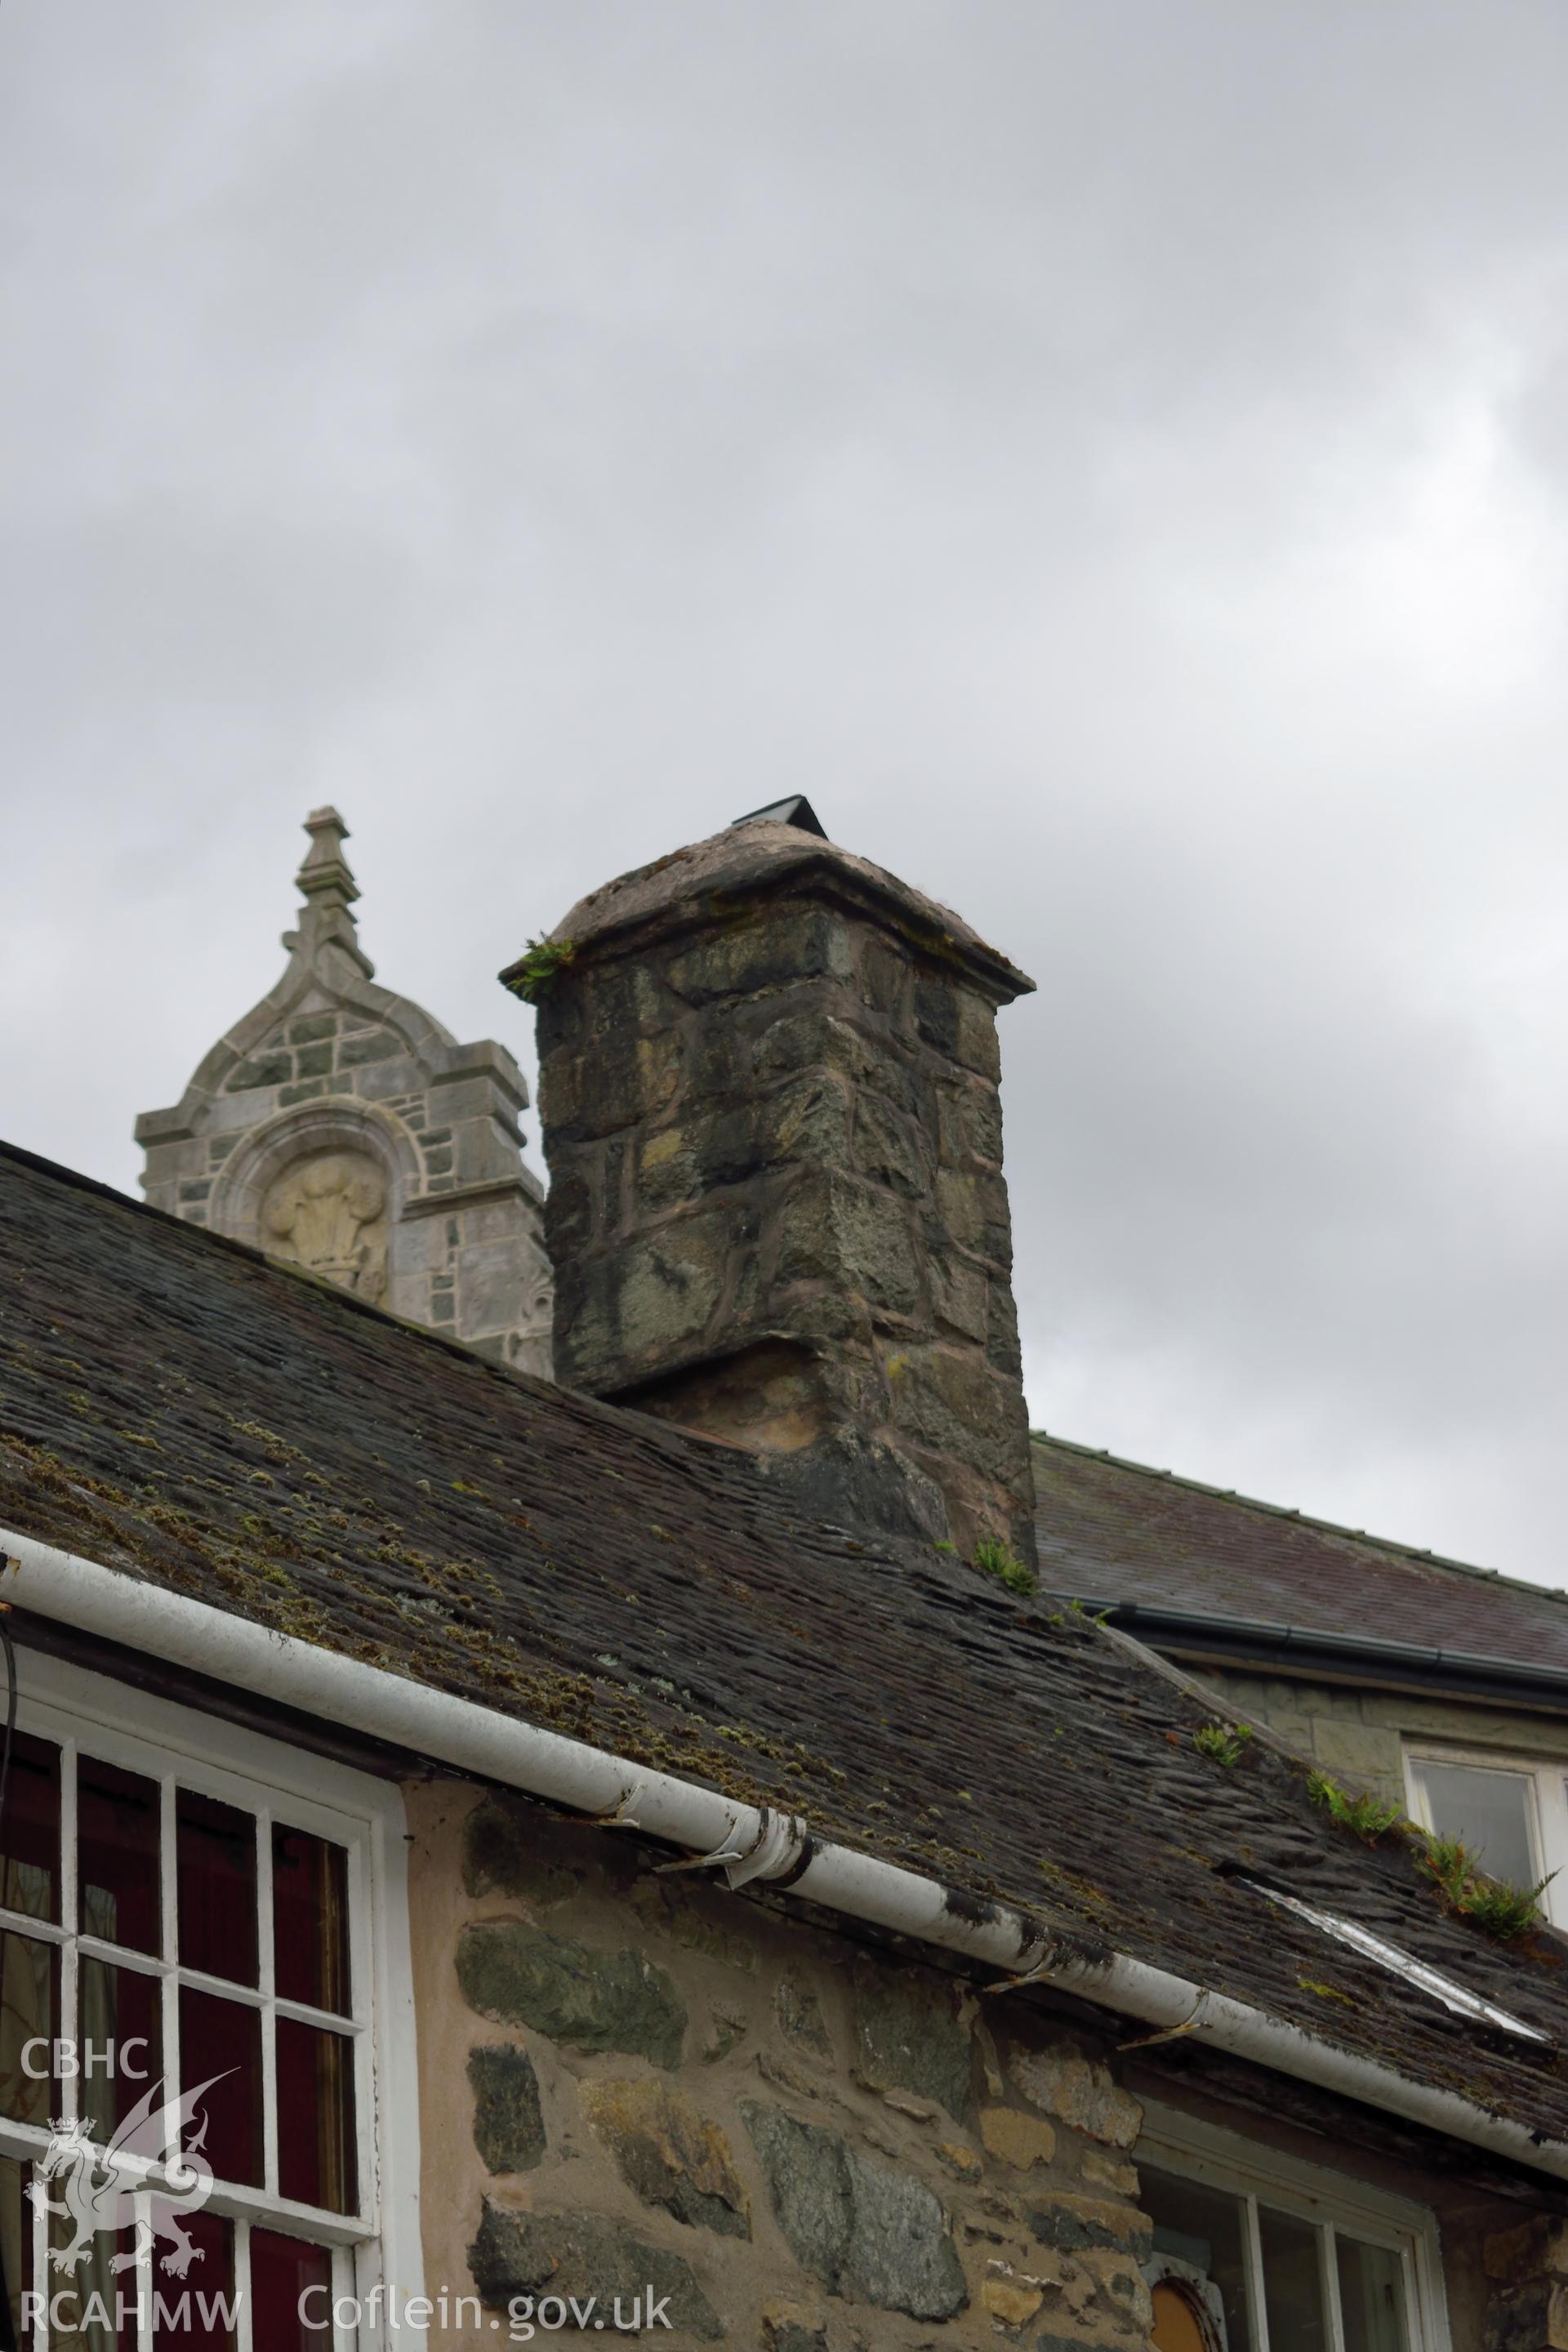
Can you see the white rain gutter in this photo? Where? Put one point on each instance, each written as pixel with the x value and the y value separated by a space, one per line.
pixel 746 1843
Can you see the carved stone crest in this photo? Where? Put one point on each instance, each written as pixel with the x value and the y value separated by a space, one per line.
pixel 329 1213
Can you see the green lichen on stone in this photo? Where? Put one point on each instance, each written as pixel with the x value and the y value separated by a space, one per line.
pixel 868 2230
pixel 908 2036
pixel 689 1921
pixel 500 1856
pixel 585 2257
pixel 509 2124
pixel 585 2000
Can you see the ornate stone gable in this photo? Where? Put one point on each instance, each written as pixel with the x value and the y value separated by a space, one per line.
pixel 340 1128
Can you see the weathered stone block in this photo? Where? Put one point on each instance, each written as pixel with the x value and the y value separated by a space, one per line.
pixel 960 1296
pixel 770 947
pixel 976 1044
pixel 1081 2093
pixel 833 1230
pixel 1076 2224
pixel 786 2329
pixel 585 2258
pixel 700 1922
pixel 617 1080
pixel 501 1855
pixel 950 1399
pixel 814 1038
pixel 1522 2320
pixel 886 978
pixel 668 1288
pixel 801 2021
pixel 1003 1351
pixel 587 2000
pixel 1536 2249
pixel 270 1070
pixel 890 1148
pixel 508 2123
pixel 1012 2301
pixel 972 1206
pixel 669 2153
pixel 908 2037
pixel 623 1315
pixel 367 1045
pixel 1017 2138
pixel 868 2230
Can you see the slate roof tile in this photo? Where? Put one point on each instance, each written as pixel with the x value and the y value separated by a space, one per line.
pixel 176 1407
pixel 1113 1530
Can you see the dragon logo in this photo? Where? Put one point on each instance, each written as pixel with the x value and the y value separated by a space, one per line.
pixel 98 2183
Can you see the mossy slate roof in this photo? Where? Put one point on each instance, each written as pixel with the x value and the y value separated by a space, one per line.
pixel 1112 1531
pixel 177 1408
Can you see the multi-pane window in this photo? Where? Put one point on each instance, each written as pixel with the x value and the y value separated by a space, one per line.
pixel 172 1932
pixel 1511 1815
pixel 1260 2255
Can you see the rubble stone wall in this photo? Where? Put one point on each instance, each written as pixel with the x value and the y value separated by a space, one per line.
pixel 630 2079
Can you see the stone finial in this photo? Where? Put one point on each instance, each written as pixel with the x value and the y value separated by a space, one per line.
pixel 324 878
pixel 329 890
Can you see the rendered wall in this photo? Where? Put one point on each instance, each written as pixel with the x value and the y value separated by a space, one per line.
pixel 1359 1736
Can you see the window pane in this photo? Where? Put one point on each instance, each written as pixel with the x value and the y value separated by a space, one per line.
pixel 29 2004
pixel 283 2273
pixel 201 2323
pixel 220 2044
pixel 117 1855
pixel 217 1852
pixel 1489 1812
pixel 16 2240
pixel 1292 2284
pixel 30 1833
pixel 1371 2297
pixel 310 1920
pixel 1204 2228
pixel 316 2117
pixel 119 2020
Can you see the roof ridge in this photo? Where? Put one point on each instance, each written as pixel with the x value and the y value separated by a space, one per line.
pixel 1304 1519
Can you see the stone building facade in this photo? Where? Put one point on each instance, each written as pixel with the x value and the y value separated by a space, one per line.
pixel 631 2081
pixel 342 1128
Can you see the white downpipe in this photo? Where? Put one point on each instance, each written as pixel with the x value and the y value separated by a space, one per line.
pixel 744 1841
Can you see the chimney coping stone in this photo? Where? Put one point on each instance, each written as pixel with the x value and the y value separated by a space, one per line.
pixel 679 892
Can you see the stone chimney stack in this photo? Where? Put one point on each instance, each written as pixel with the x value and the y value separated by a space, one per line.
pixel 776 1213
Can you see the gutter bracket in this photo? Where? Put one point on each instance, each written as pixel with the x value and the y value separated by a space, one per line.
pixel 1192 2024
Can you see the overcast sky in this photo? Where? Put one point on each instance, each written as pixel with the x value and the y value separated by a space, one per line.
pixel 1112 457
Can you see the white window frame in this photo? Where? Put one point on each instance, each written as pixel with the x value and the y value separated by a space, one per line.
pixel 1548 1809
pixel 1257 2175
pixel 176 1745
